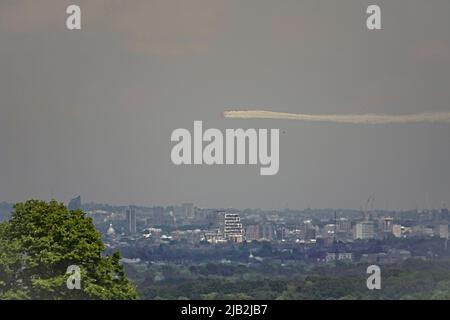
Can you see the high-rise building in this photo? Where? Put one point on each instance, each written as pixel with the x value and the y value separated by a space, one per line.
pixel 343 225
pixel 443 231
pixel 386 226
pixel 158 216
pixel 343 229
pixel 445 213
pixel 365 230
pixel 131 220
pixel 232 227
pixel 262 231
pixel 397 230
pixel 280 233
pixel 308 230
pixel 329 231
pixel 75 204
pixel 188 210
pixel 268 231
pixel 252 232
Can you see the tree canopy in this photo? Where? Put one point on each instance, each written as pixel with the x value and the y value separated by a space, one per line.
pixel 39 243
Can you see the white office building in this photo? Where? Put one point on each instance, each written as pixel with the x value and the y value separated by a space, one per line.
pixel 365 230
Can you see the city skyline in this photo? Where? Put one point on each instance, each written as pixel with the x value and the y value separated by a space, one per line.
pixel 360 207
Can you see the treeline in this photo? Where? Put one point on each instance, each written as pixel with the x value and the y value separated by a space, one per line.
pixel 412 279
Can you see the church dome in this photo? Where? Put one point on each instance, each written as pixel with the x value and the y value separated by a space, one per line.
pixel 111 231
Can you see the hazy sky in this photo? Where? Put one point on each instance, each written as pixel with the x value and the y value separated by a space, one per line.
pixel 91 112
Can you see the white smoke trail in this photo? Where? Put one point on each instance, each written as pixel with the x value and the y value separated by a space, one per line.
pixel 370 118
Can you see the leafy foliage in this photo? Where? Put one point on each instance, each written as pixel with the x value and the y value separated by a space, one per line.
pixel 39 243
pixel 411 279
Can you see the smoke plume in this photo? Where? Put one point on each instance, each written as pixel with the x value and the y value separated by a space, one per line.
pixel 370 118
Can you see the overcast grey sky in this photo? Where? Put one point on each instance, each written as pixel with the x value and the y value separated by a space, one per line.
pixel 91 112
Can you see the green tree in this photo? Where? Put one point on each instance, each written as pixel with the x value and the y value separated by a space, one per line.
pixel 39 243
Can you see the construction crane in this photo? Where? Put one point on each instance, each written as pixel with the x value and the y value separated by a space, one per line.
pixel 368 207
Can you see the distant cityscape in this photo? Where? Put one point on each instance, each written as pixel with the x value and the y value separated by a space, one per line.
pixel 188 252
pixel 313 236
